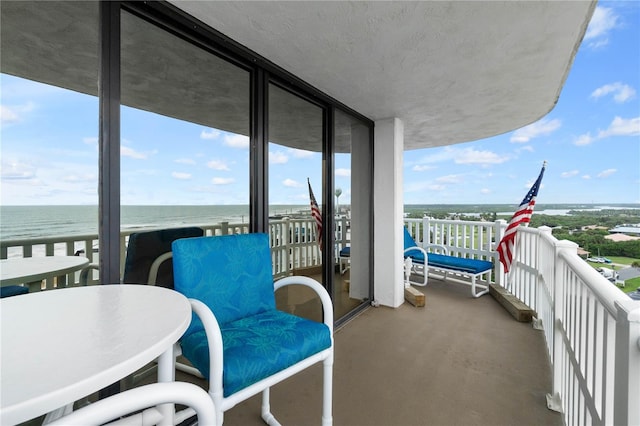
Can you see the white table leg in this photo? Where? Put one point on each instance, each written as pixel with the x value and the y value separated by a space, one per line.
pixel 166 373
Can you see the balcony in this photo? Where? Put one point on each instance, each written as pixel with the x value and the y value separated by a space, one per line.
pixel 457 360
pixel 460 360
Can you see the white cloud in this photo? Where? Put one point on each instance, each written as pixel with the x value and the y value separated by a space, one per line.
pixel 222 181
pixel 343 172
pixel 572 173
pixel 13 114
pixel 586 177
pixel 539 128
pixel 422 168
pixel 237 141
pixel 622 127
pixel 187 161
pixel 13 170
pixel 422 187
pixel 210 134
pixel 7 115
pixel 181 176
pixel 450 179
pixel 291 183
pixel 80 178
pixel 126 151
pixel 218 165
pixel 606 173
pixel 582 140
pixel 621 92
pixel 526 148
pixel 91 140
pixel 459 156
pixel 602 22
pixel 277 157
pixel 300 153
pixel 472 156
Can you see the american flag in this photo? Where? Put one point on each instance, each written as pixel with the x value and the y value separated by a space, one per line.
pixel 315 213
pixel 522 216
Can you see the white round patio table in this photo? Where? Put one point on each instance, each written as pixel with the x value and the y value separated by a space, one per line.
pixel 59 346
pixel 24 270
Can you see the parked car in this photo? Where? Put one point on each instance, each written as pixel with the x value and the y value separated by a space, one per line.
pixel 635 295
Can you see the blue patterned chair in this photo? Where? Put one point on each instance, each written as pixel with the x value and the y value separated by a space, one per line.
pixel 238 339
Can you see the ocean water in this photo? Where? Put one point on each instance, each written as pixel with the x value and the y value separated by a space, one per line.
pixel 20 222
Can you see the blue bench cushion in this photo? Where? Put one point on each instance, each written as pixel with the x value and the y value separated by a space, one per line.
pixel 258 346
pixel 472 266
pixel 13 290
pixel 345 252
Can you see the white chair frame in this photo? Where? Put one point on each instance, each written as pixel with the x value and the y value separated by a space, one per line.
pixel 140 398
pixel 214 338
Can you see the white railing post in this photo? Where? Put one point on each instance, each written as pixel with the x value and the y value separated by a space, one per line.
pixel 554 401
pixel 426 231
pixel 499 227
pixel 286 234
pixel 626 409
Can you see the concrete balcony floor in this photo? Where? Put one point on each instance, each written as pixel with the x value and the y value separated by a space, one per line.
pixel 456 361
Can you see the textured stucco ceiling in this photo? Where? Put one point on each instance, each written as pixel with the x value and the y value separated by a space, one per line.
pixel 452 71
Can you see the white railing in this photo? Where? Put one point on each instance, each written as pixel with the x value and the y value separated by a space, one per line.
pixel 467 239
pixel 591 328
pixel 293 244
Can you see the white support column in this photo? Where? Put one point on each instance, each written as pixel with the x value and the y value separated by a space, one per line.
pixel 388 212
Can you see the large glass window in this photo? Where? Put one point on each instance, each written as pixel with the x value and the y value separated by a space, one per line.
pixel 352 177
pixel 295 172
pixel 49 132
pixel 184 134
pixel 185 148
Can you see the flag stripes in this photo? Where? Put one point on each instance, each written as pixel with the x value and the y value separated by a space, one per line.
pixel 317 216
pixel 522 216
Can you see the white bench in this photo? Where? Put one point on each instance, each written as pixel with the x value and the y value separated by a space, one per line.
pixel 418 262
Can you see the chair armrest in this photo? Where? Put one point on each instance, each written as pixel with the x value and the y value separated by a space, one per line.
pixel 84 273
pixel 440 247
pixel 153 270
pixel 214 342
pixel 327 304
pixel 140 398
pixel 420 249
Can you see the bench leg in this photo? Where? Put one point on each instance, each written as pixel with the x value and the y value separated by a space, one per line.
pixel 473 288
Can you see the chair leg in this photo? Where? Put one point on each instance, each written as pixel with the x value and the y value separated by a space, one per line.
pixel 327 391
pixel 266 410
pixel 217 403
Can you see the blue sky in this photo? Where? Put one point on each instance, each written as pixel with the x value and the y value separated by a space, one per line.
pixel 591 141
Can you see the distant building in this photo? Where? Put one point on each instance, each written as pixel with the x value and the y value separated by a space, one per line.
pixel 583 253
pixel 632 230
pixel 592 227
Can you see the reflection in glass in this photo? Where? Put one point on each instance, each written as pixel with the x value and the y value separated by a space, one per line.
pixel 49 131
pixel 184 135
pixel 295 163
pixel 352 174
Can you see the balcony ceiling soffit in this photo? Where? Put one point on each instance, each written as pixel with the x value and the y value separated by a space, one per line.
pixel 452 71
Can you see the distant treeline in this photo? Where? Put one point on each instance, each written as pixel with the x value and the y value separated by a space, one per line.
pixel 565 227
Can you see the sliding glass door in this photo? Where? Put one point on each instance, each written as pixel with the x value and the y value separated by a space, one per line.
pixel 184 135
